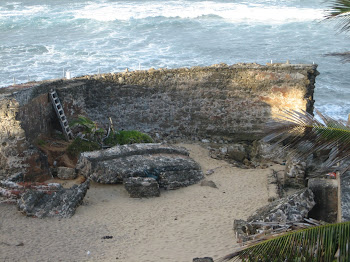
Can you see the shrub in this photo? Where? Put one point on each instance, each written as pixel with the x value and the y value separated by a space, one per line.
pixel 79 145
pixel 127 137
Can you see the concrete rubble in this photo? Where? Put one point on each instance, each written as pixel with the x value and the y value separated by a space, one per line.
pixel 61 203
pixel 291 209
pixel 170 166
pixel 140 187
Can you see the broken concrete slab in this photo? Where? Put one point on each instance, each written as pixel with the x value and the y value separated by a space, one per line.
pixel 61 203
pixel 171 166
pixel 293 208
pixel 66 173
pixel 140 187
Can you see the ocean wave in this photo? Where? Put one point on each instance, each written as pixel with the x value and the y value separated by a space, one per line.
pixel 335 110
pixel 233 12
pixel 20 11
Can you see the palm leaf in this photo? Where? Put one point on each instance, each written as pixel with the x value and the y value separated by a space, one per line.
pixel 306 135
pixel 320 243
pixel 340 10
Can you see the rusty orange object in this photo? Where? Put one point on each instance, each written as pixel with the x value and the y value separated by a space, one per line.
pixel 332 175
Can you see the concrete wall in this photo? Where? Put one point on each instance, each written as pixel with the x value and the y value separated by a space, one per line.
pixel 17 155
pixel 229 102
pixel 219 103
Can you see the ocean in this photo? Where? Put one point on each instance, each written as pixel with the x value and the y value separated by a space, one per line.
pixel 41 39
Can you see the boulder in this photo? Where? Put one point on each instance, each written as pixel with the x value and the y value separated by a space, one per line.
pixel 171 166
pixel 66 173
pixel 61 203
pixel 139 187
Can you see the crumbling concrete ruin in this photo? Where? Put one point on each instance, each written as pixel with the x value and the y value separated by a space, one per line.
pixel 221 103
pixel 226 107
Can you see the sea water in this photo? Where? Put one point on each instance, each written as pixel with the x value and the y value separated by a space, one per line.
pixel 41 39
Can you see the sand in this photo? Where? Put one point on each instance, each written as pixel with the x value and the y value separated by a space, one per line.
pixel 177 226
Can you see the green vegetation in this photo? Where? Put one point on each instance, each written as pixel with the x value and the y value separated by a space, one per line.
pixel 127 137
pixel 340 10
pixel 41 142
pixel 92 137
pixel 321 243
pixel 306 135
pixel 90 129
pixel 79 145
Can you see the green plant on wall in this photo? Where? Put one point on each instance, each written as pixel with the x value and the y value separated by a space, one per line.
pixel 90 131
pixel 79 145
pixel 127 137
pixel 92 138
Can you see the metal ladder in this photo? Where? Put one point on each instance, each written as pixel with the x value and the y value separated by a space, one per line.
pixel 61 116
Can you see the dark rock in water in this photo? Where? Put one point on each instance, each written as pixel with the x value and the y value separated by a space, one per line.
pixel 139 187
pixel 203 259
pixel 61 203
pixel 171 166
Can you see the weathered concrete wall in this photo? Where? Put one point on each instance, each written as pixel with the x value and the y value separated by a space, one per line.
pixel 17 155
pixel 227 103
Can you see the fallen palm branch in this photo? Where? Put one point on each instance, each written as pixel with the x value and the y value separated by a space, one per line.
pixel 318 243
pixel 268 230
pixel 303 133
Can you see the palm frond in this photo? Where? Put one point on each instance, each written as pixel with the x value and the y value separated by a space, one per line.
pixel 306 135
pixel 340 10
pixel 344 56
pixel 320 243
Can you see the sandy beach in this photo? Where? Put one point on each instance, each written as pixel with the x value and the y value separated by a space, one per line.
pixel 177 226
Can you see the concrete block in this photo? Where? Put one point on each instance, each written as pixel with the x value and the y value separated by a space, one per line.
pixel 326 198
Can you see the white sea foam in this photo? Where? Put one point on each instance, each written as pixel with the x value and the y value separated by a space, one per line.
pixel 22 11
pixel 84 36
pixel 236 13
